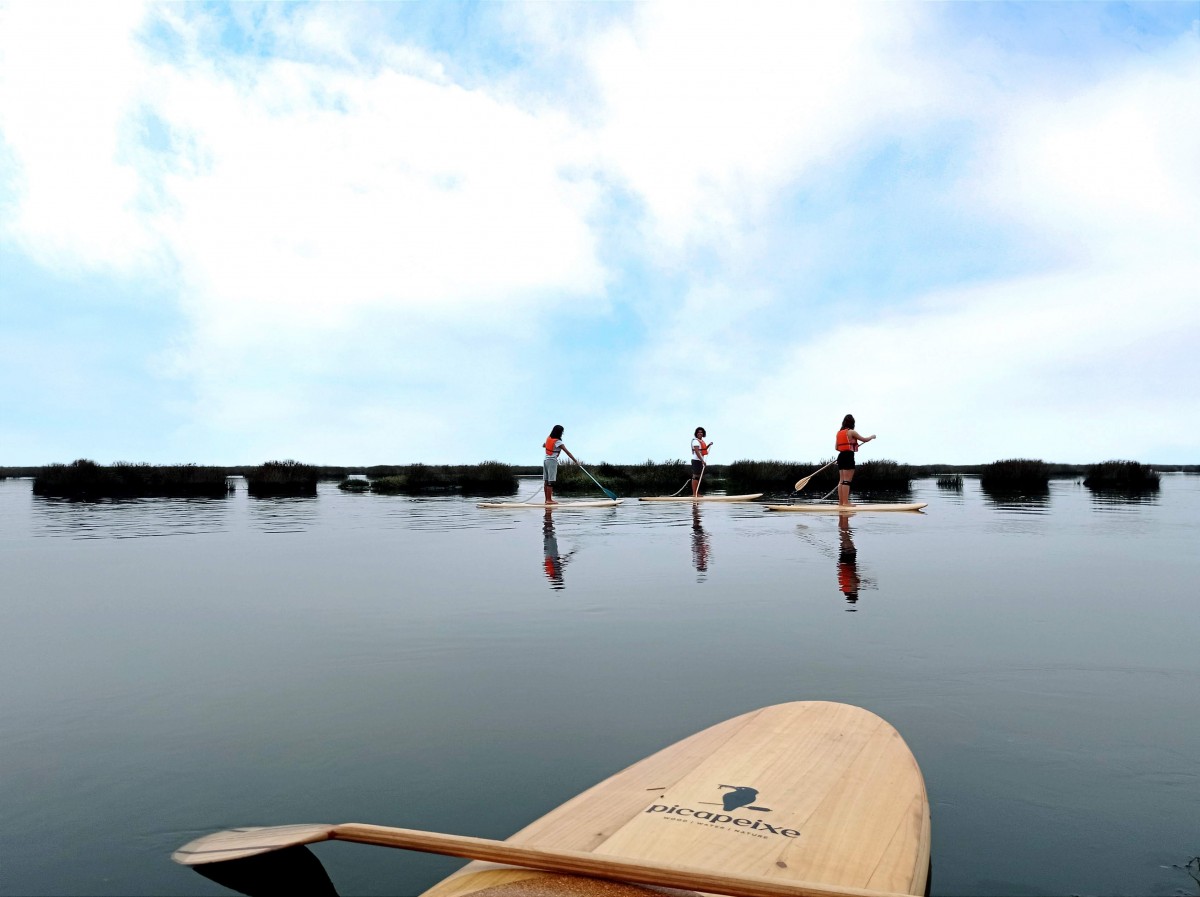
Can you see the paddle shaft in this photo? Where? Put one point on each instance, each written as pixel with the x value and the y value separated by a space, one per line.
pixel 612 495
pixel 592 865
pixel 800 484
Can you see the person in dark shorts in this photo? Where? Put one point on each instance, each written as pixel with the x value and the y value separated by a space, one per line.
pixel 847 443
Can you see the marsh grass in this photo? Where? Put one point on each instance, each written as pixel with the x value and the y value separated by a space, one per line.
pixel 413 479
pixel 1122 477
pixel 952 481
pixel 84 479
pixel 774 477
pixel 647 478
pixel 488 478
pixel 1016 476
pixel 883 477
pixel 281 478
pixel 354 485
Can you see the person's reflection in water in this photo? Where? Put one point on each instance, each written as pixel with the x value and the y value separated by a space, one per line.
pixel 554 562
pixel 699 545
pixel 847 563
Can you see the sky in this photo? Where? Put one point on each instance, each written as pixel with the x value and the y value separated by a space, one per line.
pixel 356 233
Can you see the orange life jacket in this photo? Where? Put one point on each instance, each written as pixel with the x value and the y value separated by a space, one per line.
pixel 550 440
pixel 703 446
pixel 845 443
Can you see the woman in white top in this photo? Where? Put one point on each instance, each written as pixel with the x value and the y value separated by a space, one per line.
pixel 699 458
pixel 553 446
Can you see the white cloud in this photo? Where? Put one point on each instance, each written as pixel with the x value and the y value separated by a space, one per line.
pixel 1088 359
pixel 710 109
pixel 1113 168
pixel 346 212
pixel 70 80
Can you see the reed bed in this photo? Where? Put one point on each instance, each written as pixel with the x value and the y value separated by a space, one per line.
pixel 351 484
pixel 1122 476
pixel 647 478
pixel 883 476
pixel 282 478
pixel 951 481
pixel 488 478
pixel 85 479
pixel 413 479
pixel 1016 476
pixel 775 476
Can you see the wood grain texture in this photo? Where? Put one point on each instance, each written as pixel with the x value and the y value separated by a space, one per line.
pixel 806 792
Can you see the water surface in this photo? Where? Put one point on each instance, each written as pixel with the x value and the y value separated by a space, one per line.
pixel 174 667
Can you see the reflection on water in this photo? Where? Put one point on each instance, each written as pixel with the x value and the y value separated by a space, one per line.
pixel 1108 501
pixel 293 514
pixel 363 641
pixel 700 546
pixel 847 564
pixel 849 578
pixel 553 560
pixel 128 518
pixel 1020 504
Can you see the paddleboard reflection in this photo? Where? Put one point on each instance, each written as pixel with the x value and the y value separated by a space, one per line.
pixel 553 561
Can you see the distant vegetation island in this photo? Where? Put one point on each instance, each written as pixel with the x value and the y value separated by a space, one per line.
pixel 1122 476
pixel 87 480
pixel 282 478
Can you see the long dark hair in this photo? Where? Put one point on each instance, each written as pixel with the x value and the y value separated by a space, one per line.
pixel 848 422
pixel 556 432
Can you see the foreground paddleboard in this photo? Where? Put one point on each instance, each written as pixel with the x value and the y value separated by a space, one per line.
pixel 558 505
pixel 815 792
pixel 748 497
pixel 847 509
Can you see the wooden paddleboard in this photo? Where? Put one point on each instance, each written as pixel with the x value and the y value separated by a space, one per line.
pixel 850 509
pixel 558 505
pixel 748 497
pixel 815 792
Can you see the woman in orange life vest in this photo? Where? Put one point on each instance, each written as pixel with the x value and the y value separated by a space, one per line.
pixel 553 445
pixel 699 458
pixel 848 441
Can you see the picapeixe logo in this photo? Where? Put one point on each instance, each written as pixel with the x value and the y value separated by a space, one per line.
pixel 736 798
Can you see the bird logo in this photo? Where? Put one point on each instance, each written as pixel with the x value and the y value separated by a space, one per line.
pixel 741 796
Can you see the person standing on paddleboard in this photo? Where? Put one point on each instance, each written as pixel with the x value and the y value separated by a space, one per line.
pixel 553 446
pixel 699 458
pixel 848 441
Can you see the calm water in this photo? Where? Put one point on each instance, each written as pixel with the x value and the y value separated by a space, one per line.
pixel 171 668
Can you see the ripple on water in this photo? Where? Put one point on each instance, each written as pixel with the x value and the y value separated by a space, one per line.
pixel 128 518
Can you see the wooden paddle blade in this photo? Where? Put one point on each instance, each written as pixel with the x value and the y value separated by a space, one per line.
pixel 237 843
pixel 281 873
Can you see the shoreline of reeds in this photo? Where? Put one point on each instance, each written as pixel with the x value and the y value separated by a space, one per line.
pixel 84 479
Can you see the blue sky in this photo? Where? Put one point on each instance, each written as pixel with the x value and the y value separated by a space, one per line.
pixel 384 233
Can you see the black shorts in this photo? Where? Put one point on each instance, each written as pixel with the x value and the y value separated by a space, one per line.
pixel 845 460
pixel 697 469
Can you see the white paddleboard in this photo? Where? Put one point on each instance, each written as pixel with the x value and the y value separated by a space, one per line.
pixel 848 509
pixel 747 497
pixel 558 505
